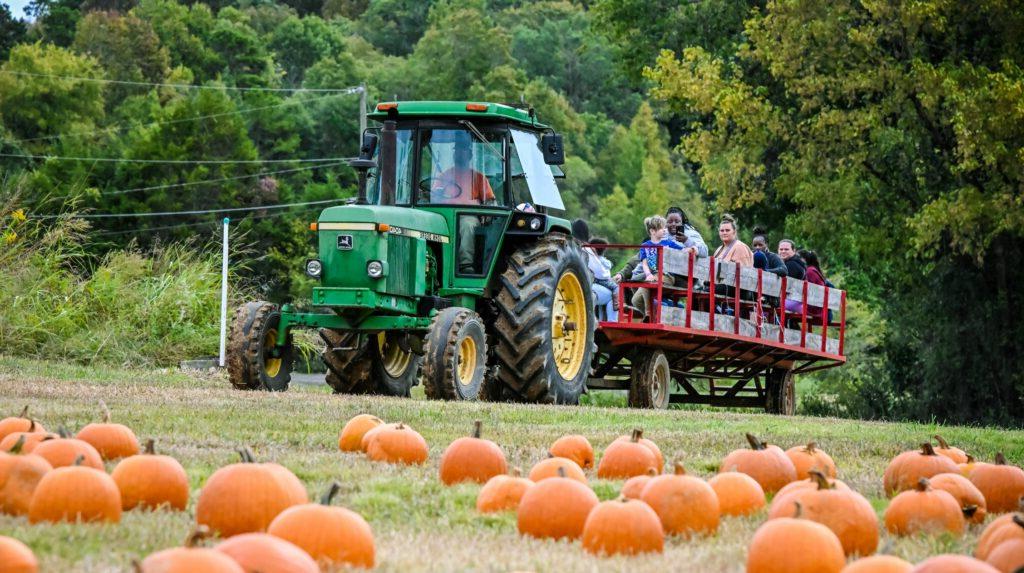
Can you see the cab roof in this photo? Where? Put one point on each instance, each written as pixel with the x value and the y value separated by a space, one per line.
pixel 459 109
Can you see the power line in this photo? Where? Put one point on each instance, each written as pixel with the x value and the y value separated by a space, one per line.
pixel 198 224
pixel 351 89
pixel 197 212
pixel 171 161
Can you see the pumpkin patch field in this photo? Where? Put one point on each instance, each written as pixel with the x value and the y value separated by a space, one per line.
pixel 305 480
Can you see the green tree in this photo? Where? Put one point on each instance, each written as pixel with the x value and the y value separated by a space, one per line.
pixel 299 43
pixel 55 20
pixel 182 31
pixel 126 47
pixel 394 26
pixel 12 31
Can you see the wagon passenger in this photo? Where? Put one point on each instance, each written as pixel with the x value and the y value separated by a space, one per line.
pixel 681 230
pixel 657 230
pixel 764 258
pixel 795 266
pixel 814 276
pixel 604 288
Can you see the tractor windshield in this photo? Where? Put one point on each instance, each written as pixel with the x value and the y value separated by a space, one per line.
pixel 458 168
pixel 404 155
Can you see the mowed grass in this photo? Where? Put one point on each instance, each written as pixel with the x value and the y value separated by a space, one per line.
pixel 419 524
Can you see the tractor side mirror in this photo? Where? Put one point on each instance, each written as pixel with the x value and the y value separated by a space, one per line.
pixel 369 145
pixel 551 145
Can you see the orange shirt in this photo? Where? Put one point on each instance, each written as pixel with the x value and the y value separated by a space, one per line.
pixel 463 186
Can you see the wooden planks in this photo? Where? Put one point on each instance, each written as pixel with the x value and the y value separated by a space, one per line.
pixel 727 324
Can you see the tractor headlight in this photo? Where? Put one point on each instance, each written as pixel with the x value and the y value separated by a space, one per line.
pixel 535 224
pixel 314 268
pixel 375 269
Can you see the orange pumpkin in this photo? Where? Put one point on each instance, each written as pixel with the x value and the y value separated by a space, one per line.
pixel 75 493
pixel 686 505
pixel 351 438
pixel 32 439
pixel 245 497
pixel 1008 557
pixel 971 501
pixel 365 442
pixel 966 467
pixel 1004 528
pixel 806 458
pixel 950 563
pixel 635 485
pixel 472 459
pixel 549 468
pixel 555 508
pixel 264 553
pixel 575 447
pixel 1000 483
pixel 623 527
pixel 767 464
pixel 16 557
pixel 333 536
pixel 19 423
pixel 906 469
pixel 19 476
pixel 63 451
pixel 785 495
pixel 788 545
pixel 738 493
pixel 879 564
pixel 190 558
pixel 924 509
pixel 956 454
pixel 847 513
pixel 112 441
pixel 627 458
pixel 151 481
pixel 398 445
pixel 502 493
pixel 650 446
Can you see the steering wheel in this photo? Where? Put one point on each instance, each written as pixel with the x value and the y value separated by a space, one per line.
pixel 430 184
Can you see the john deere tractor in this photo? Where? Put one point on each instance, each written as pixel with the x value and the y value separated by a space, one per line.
pixel 446 269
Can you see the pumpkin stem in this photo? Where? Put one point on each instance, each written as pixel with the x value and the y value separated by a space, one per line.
pixel 1000 459
pixel 477 428
pixel 622 499
pixel 799 510
pixel 136 566
pixel 1018 520
pixel 150 446
pixel 16 448
pixel 970 510
pixel 561 471
pixel 927 449
pixel 811 447
pixel 78 460
pixel 923 485
pixel 820 478
pixel 679 469
pixel 942 443
pixel 755 444
pixel 246 455
pixel 652 472
pixel 400 426
pixel 31 426
pixel 970 459
pixel 516 472
pixel 106 412
pixel 197 535
pixel 24 412
pixel 332 491
pixel 637 435
pixel 63 432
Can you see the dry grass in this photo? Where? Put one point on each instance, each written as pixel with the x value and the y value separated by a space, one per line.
pixel 419 524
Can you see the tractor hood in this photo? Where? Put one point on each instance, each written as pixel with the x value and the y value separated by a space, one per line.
pixel 398 218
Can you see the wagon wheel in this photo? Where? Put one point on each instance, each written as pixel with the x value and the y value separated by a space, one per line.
pixel 780 392
pixel 651 381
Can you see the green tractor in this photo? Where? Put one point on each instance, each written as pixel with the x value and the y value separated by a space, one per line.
pixel 446 269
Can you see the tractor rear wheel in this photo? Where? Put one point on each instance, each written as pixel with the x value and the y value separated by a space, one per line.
pixel 254 360
pixel 368 363
pixel 456 355
pixel 780 389
pixel 650 381
pixel 545 324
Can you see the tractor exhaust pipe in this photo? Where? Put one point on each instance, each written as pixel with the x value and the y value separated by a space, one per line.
pixel 388 145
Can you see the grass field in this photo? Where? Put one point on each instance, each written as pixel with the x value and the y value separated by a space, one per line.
pixel 419 524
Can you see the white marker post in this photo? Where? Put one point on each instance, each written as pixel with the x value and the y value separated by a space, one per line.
pixel 224 295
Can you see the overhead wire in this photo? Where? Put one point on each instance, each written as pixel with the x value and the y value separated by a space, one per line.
pixel 170 161
pixel 191 212
pixel 350 89
pixel 200 223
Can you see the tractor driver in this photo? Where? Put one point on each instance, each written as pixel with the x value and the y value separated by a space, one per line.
pixel 463 185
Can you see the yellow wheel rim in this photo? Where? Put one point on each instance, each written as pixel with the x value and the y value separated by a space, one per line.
pixel 569 326
pixel 467 361
pixel 394 360
pixel 272 366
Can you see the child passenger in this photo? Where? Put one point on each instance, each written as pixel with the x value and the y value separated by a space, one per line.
pixel 657 229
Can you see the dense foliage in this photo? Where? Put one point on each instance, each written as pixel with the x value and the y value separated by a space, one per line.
pixel 885 135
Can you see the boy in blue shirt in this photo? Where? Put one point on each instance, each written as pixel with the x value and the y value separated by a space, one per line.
pixel 657 229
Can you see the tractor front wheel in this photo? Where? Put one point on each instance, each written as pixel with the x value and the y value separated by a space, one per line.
pixel 368 363
pixel 254 360
pixel 456 355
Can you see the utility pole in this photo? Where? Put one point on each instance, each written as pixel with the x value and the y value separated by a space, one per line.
pixel 362 111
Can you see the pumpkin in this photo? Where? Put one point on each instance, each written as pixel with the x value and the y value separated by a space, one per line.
pixel 19 423
pixel 1004 528
pixel 767 464
pixel 924 509
pixel 966 467
pixel 623 527
pixel 786 495
pixel 548 468
pixel 190 558
pixel 906 469
pixel 502 493
pixel 788 545
pixel 75 493
pixel 627 458
pixel 351 438
pixel 332 536
pixel 1008 557
pixel 150 481
pixel 16 557
pixel 635 485
pixel 738 493
pixel 112 441
pixel 472 459
pixel 1000 483
pixel 686 505
pixel 650 445
pixel 263 553
pixel 32 439
pixel 398 445
pixel 950 563
pixel 879 564
pixel 575 447
pixel 63 451
pixel 971 501
pixel 555 508
pixel 19 476
pixel 806 458
pixel 365 442
pixel 956 454
pixel 245 497
pixel 847 513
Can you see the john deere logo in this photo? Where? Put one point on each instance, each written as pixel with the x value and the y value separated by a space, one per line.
pixel 345 242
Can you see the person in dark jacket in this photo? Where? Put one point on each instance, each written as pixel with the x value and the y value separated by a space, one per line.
pixel 765 259
pixel 681 230
pixel 795 266
pixel 814 276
